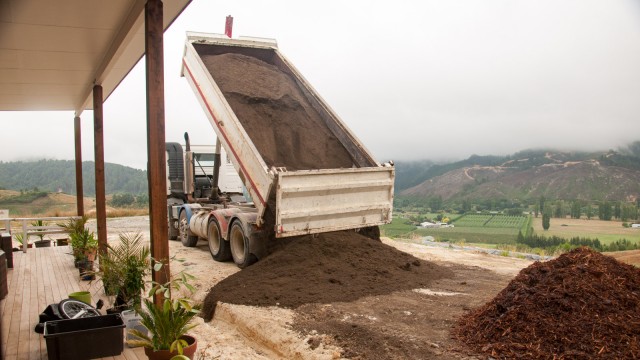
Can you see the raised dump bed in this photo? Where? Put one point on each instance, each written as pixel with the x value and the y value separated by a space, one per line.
pixel 304 169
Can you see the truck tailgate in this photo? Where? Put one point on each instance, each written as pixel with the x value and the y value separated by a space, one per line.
pixel 316 201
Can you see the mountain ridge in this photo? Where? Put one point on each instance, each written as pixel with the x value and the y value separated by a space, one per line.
pixel 529 174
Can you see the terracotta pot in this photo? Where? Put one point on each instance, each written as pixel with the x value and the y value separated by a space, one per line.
pixel 90 255
pixel 189 351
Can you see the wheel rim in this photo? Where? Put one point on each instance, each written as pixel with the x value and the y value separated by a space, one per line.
pixel 183 227
pixel 237 244
pixel 71 308
pixel 214 238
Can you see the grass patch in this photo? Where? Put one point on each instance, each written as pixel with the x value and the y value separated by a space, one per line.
pixel 399 227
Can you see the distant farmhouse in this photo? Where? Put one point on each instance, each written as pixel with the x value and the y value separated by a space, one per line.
pixel 427 224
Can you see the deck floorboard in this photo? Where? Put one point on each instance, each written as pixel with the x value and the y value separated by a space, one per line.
pixel 41 277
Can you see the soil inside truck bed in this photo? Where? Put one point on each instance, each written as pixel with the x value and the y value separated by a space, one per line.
pixel 276 115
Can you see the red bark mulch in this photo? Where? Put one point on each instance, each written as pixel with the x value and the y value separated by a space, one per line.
pixel 582 305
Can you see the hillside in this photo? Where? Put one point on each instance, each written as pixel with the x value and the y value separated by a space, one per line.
pixel 51 175
pixel 530 174
pixel 52 204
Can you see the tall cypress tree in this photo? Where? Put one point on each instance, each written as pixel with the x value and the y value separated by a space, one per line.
pixel 546 221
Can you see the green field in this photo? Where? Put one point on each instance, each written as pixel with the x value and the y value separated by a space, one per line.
pixel 605 231
pixel 472 228
pixel 399 228
pixel 492 229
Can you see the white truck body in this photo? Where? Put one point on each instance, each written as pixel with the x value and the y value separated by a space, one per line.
pixel 306 201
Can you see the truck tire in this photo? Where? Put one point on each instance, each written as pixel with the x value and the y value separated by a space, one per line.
pixel 173 232
pixel 183 227
pixel 240 246
pixel 218 247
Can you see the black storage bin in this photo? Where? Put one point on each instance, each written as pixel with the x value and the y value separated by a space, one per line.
pixel 85 338
pixel 7 247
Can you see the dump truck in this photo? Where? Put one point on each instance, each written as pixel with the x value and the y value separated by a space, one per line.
pixel 303 170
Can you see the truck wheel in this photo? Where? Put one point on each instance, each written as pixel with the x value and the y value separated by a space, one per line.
pixel 187 240
pixel 240 246
pixel 173 232
pixel 218 247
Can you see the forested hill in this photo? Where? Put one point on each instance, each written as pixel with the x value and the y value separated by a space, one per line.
pixel 51 175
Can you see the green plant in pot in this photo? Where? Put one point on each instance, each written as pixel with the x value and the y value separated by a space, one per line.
pixel 88 245
pixel 40 233
pixel 123 269
pixel 19 237
pixel 77 236
pixel 168 323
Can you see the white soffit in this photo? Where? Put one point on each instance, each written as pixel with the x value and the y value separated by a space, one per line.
pixel 53 52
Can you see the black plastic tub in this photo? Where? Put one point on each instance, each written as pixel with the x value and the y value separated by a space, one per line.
pixel 85 338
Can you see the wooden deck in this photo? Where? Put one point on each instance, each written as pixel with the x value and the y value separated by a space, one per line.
pixel 41 277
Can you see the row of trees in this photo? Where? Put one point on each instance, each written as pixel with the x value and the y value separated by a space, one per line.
pixel 604 210
pixel 25 197
pixel 553 242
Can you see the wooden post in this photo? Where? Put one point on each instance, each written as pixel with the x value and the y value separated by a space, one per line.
pixel 98 140
pixel 156 167
pixel 79 186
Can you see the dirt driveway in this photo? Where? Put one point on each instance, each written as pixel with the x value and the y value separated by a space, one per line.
pixel 406 324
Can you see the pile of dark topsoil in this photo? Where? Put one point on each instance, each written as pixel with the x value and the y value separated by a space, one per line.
pixel 330 267
pixel 582 305
pixel 279 119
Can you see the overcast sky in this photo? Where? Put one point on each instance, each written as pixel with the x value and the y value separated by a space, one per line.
pixel 413 79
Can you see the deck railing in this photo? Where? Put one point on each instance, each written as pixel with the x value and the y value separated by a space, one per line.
pixel 27 229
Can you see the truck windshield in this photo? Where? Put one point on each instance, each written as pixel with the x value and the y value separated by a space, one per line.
pixel 205 163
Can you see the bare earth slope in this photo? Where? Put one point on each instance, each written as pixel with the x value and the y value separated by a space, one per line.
pixel 567 180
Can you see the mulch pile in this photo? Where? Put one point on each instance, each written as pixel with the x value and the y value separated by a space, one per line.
pixel 281 122
pixel 582 305
pixel 326 268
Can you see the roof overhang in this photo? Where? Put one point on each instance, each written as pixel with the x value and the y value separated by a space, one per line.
pixel 52 53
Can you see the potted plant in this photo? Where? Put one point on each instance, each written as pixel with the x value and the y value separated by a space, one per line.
pixel 76 230
pixel 85 246
pixel 169 323
pixel 19 237
pixel 90 245
pixel 42 242
pixel 123 269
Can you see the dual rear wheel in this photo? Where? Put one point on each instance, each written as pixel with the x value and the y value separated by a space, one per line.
pixel 236 248
pixel 218 247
